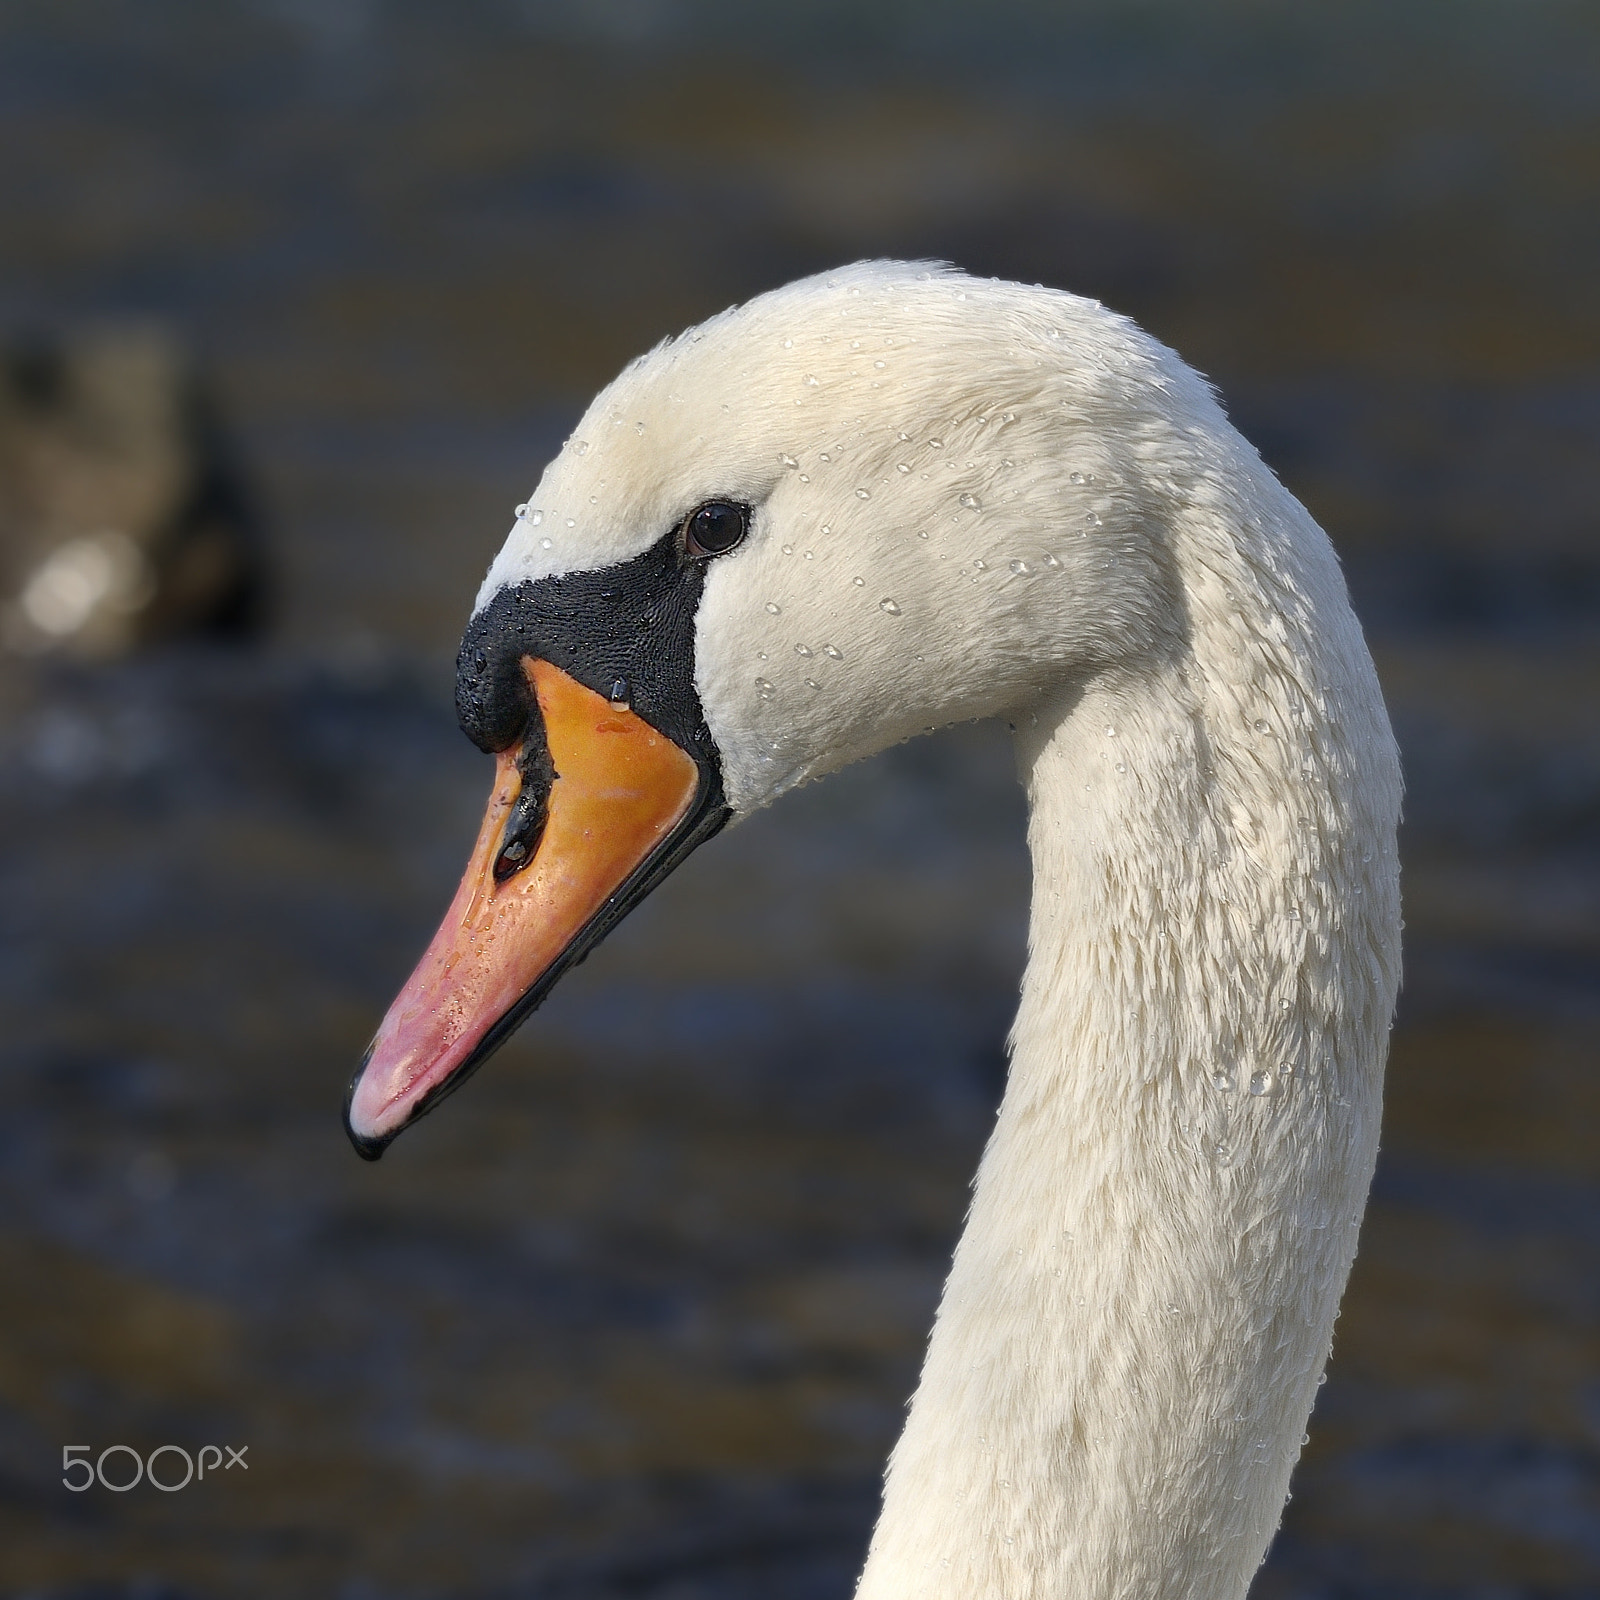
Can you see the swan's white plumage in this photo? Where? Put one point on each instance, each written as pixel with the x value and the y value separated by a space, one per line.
pixel 973 498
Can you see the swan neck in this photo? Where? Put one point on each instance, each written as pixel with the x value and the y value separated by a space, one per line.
pixel 1131 1335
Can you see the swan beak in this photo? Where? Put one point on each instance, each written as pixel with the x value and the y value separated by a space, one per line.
pixel 617 804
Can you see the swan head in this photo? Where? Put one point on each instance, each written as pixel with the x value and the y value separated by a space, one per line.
pixel 859 507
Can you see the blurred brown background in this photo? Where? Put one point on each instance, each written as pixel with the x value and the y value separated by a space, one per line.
pixel 637 1314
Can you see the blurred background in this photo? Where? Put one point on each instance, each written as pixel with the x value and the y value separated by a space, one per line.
pixel 296 298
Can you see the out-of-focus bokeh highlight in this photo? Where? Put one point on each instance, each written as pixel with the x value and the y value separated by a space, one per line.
pixel 296 298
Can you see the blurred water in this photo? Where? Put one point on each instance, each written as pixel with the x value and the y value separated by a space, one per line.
pixel 637 1314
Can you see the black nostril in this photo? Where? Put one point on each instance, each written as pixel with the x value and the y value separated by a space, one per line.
pixel 511 859
pixel 519 840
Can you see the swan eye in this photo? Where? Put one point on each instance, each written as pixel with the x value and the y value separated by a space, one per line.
pixel 715 528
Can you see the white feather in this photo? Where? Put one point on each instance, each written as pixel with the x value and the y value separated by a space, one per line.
pixel 974 498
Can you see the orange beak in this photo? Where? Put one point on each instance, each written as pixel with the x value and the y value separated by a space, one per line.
pixel 615 812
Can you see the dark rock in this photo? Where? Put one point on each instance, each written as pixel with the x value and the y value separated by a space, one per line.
pixel 122 518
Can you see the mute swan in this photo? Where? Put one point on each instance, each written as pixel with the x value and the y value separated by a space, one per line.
pixel 892 497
